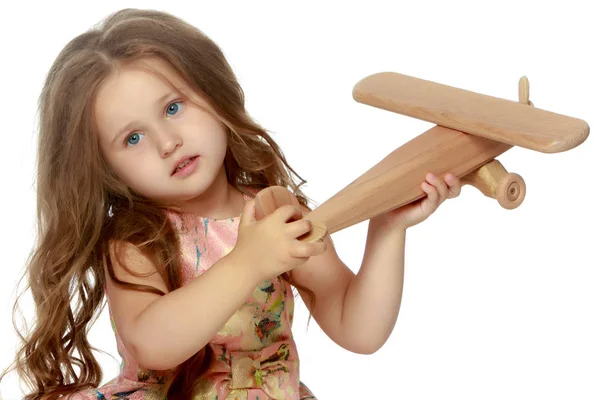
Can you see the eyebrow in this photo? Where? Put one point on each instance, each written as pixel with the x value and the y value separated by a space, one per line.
pixel 132 124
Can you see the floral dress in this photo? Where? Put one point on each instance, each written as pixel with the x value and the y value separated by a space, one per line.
pixel 254 354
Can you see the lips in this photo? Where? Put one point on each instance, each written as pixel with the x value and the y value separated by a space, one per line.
pixel 182 162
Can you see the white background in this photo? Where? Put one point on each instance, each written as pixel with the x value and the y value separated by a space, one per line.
pixel 498 304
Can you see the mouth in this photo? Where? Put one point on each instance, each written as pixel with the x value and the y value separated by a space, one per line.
pixel 181 166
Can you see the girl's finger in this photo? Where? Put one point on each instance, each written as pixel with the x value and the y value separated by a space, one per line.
pixel 432 192
pixel 298 228
pixel 439 185
pixel 454 186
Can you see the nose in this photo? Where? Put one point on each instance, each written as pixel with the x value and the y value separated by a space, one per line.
pixel 168 142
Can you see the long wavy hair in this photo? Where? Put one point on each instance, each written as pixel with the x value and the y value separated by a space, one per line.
pixel 82 205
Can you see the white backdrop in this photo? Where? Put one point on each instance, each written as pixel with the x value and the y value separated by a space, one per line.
pixel 498 304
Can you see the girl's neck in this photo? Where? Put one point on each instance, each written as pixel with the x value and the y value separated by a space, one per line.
pixel 220 201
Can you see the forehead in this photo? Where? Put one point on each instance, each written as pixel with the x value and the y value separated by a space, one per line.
pixel 138 81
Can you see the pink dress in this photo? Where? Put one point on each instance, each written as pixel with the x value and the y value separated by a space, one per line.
pixel 255 356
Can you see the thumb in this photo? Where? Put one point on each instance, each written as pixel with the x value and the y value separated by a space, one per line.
pixel 249 212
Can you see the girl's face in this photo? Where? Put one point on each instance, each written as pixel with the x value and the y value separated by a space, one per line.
pixel 146 131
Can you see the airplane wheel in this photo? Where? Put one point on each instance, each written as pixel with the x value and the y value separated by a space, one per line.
pixel 511 191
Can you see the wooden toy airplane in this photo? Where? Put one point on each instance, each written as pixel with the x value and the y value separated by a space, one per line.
pixel 471 130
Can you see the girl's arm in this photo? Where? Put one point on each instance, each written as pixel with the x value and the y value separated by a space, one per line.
pixel 161 332
pixel 358 312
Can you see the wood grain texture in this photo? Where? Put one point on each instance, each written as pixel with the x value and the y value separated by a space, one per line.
pixel 497 119
pixel 271 198
pixel 471 131
pixel 395 181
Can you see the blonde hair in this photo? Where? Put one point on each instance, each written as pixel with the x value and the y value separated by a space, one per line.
pixel 77 191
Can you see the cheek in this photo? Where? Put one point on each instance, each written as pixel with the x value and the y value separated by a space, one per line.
pixel 222 144
pixel 209 143
pixel 131 169
pixel 221 141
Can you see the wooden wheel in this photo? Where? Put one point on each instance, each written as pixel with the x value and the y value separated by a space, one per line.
pixel 510 191
pixel 494 181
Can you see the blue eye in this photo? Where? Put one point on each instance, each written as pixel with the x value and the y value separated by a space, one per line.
pixel 173 108
pixel 134 138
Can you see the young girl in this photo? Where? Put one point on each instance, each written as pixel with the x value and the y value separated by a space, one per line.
pixel 148 164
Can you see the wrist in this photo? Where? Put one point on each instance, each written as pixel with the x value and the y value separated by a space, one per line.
pixel 242 269
pixel 382 224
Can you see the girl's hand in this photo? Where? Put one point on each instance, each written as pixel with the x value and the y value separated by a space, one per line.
pixel 270 246
pixel 437 191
